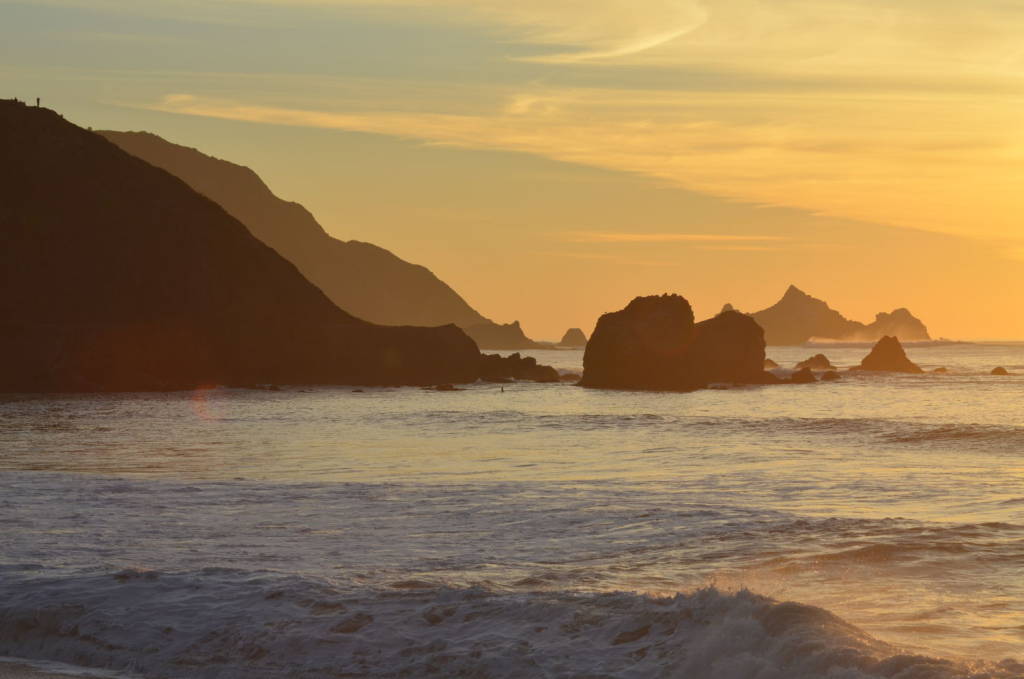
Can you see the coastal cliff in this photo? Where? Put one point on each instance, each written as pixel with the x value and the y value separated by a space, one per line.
pixel 368 281
pixel 119 276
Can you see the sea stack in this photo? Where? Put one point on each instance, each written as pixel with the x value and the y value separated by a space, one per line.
pixel 573 337
pixel 654 344
pixel 888 356
pixel 117 276
pixel 817 362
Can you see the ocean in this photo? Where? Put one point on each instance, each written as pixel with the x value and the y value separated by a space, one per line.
pixel 870 527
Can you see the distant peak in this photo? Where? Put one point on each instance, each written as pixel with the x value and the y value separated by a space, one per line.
pixel 793 291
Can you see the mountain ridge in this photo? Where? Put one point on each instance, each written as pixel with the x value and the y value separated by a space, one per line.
pixel 120 277
pixel 364 279
pixel 799 317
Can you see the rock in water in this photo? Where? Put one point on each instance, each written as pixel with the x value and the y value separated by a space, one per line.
pixel 769 364
pixel 1001 371
pixel 643 346
pixel 654 344
pixel 573 337
pixel 497 368
pixel 803 376
pixel 888 356
pixel 726 348
pixel 117 276
pixel 830 376
pixel 816 362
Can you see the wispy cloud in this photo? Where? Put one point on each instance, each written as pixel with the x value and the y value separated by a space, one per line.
pixel 928 163
pixel 604 237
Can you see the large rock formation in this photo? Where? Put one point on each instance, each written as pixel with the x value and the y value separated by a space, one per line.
pixel 573 337
pixel 654 344
pixel 366 280
pixel 888 356
pixel 115 275
pixel 727 348
pixel 798 318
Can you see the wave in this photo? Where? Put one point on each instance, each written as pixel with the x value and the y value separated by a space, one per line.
pixel 859 432
pixel 227 624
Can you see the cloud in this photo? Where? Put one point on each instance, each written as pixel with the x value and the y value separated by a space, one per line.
pixel 926 162
pixel 604 237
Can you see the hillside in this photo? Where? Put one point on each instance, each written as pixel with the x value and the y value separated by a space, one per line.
pixel 361 278
pixel 118 276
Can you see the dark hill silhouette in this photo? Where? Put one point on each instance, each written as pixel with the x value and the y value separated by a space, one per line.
pixel 799 317
pixel 115 275
pixel 361 278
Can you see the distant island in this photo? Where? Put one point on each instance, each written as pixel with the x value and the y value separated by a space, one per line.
pixel 799 318
pixel 117 276
pixel 368 281
pixel 573 338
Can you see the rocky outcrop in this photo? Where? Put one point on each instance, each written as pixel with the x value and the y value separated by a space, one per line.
pixel 888 356
pixel 494 336
pixel 365 280
pixel 900 324
pixel 573 337
pixel 803 376
pixel 1000 371
pixel 817 362
pixel 654 344
pixel 830 376
pixel 497 368
pixel 798 318
pixel 726 348
pixel 769 364
pixel 116 275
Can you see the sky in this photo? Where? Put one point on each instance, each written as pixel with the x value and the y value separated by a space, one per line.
pixel 552 159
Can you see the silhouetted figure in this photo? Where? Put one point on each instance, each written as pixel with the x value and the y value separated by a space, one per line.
pixel 37 102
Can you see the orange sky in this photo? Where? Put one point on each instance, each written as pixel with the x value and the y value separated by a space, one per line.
pixel 551 160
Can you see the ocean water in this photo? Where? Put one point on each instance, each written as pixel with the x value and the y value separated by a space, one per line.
pixel 872 527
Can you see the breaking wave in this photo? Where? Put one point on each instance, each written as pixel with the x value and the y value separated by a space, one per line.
pixel 226 624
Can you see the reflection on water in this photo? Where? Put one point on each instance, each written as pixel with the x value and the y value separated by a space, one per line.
pixel 895 502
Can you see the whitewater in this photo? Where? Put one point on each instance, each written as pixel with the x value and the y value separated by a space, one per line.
pixel 871 527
